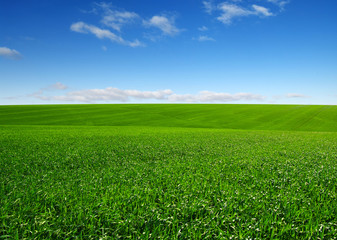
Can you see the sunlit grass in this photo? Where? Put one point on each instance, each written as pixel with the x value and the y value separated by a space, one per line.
pixel 61 182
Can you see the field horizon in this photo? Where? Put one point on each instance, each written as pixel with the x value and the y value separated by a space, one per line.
pixel 320 118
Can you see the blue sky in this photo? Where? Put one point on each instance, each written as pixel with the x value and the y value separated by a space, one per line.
pixel 176 51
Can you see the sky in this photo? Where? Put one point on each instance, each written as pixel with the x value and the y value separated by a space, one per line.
pixel 168 51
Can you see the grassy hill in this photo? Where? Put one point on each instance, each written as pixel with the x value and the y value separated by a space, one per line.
pixel 254 117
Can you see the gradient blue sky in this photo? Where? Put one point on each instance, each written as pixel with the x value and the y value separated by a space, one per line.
pixel 170 51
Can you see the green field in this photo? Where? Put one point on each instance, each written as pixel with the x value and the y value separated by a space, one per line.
pixel 253 117
pixel 168 172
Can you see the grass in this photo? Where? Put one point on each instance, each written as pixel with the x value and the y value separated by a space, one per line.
pixel 254 117
pixel 153 182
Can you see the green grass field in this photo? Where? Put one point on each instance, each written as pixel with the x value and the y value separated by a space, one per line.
pixel 168 172
pixel 254 117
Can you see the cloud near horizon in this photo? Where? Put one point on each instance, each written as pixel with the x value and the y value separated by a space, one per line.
pixel 296 95
pixel 54 87
pixel 211 97
pixel 108 94
pixel 10 53
pixel 120 95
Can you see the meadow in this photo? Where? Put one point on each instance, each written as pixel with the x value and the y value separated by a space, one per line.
pixel 168 172
pixel 224 116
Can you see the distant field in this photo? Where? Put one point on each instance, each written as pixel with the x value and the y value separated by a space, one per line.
pixel 161 177
pixel 255 117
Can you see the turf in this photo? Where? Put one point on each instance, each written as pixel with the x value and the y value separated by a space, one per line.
pixel 254 117
pixel 176 181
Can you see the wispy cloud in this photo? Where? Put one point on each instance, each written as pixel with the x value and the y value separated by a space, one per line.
pixel 164 23
pixel 296 95
pixel 262 11
pixel 108 94
pixel 204 38
pixel 209 6
pixel 277 98
pixel 209 97
pixel 280 3
pixel 116 19
pixel 82 27
pixel 10 53
pixel 54 87
pixel 229 11
pixel 203 29
pixel 40 94
pixel 167 95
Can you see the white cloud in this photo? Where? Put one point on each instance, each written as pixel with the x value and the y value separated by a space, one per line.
pixel 296 95
pixel 109 94
pixel 289 95
pixel 9 53
pixel 232 9
pixel 104 48
pixel 205 39
pixel 120 95
pixel 136 43
pixel 207 96
pixel 259 10
pixel 117 19
pixel 114 18
pixel 165 24
pixel 82 27
pixel 229 11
